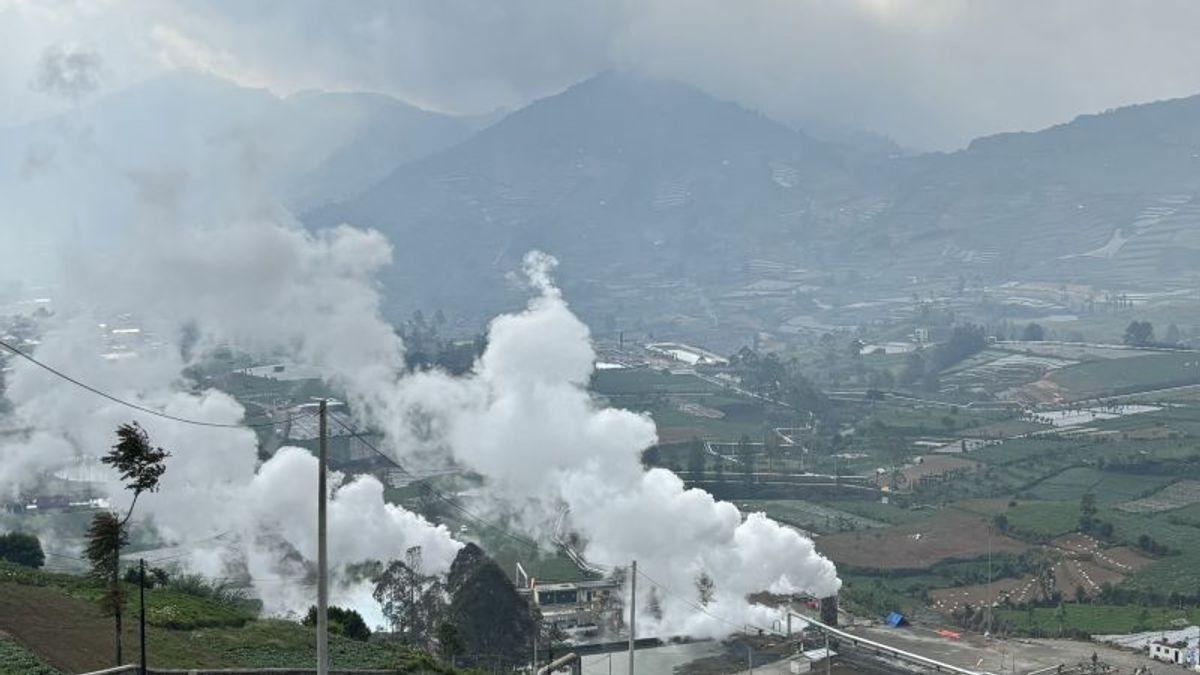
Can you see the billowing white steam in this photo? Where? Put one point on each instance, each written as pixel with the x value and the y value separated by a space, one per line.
pixel 525 420
pixel 265 286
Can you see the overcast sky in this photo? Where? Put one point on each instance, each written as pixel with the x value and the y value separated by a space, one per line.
pixel 928 73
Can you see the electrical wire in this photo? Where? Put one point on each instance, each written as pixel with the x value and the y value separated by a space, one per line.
pixel 702 609
pixel 144 409
pixel 440 495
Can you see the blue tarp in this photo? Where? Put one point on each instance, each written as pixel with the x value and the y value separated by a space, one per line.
pixel 895 619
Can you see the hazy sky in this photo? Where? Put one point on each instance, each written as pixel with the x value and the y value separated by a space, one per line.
pixel 929 73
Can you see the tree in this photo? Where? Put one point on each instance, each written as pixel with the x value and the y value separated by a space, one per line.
pixel 449 641
pixel 141 466
pixel 746 457
pixel 1000 522
pixel 1060 615
pixel 22 549
pixel 410 599
pixel 491 618
pixel 345 622
pixel 1139 333
pixel 1087 512
pixel 1033 332
pixel 696 459
pixel 913 371
pixel 1174 335
pixel 705 588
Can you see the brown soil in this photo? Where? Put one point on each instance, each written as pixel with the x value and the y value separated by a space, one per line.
pixel 68 633
pixel 949 535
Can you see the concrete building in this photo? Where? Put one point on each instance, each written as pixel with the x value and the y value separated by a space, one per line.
pixel 1170 652
pixel 577 606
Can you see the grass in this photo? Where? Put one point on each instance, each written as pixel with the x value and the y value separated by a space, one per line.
pixel 16 660
pixel 1073 483
pixel 1097 619
pixel 1043 519
pixel 887 513
pixel 1134 374
pixel 49 619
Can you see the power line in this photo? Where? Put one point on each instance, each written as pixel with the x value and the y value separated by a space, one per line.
pixel 529 542
pixel 141 408
pixel 701 608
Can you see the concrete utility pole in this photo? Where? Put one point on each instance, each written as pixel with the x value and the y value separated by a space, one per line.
pixel 142 615
pixel 632 612
pixel 322 553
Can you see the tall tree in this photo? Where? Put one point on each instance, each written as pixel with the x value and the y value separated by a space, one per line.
pixel 746 457
pixel 1033 332
pixel 696 459
pixel 414 602
pixel 141 466
pixel 492 619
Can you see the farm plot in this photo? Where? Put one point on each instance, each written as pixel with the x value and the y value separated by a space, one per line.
pixel 1108 486
pixel 1006 372
pixel 1174 496
pixel 809 516
pixel 948 535
pixel 1131 375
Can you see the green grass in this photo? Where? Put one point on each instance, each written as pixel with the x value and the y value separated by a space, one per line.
pixel 164 607
pixel 887 513
pixel 16 660
pixel 1043 520
pixel 1097 619
pixel 1138 373
pixel 1108 486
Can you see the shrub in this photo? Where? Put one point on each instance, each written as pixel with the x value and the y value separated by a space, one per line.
pixel 343 621
pixel 22 549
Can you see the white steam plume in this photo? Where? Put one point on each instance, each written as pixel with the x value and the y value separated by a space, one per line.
pixel 525 420
pixel 258 284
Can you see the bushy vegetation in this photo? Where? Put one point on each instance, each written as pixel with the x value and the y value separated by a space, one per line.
pixel 341 622
pixel 22 549
pixel 16 660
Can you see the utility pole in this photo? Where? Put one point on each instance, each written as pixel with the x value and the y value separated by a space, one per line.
pixel 632 613
pixel 322 554
pixel 750 657
pixel 142 606
pixel 988 630
pixel 828 656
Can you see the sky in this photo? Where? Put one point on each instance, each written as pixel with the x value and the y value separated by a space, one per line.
pixel 931 74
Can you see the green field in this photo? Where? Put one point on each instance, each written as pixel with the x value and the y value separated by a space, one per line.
pixel 16 660
pixel 1096 619
pixel 37 609
pixel 1043 520
pixel 1129 375
pixel 1108 486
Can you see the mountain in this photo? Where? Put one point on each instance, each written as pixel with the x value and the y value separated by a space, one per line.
pixel 632 182
pixel 1106 199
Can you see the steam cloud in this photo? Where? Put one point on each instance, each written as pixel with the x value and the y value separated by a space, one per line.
pixel 69 72
pixel 523 419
